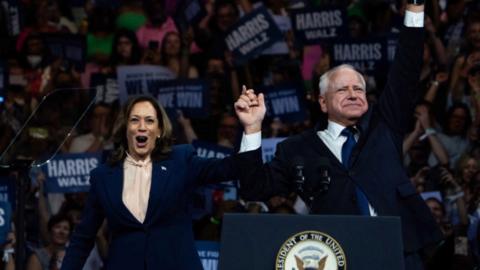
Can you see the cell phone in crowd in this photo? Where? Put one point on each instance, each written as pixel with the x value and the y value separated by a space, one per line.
pixel 153 44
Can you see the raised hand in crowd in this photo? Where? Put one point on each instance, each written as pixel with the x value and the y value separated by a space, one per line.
pixel 234 81
pixel 186 124
pixel 440 79
pixel 8 261
pixel 423 115
pixel 424 129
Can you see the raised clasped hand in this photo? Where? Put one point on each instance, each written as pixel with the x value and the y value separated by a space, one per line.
pixel 250 109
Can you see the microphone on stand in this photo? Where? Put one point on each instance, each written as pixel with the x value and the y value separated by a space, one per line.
pixel 324 179
pixel 298 165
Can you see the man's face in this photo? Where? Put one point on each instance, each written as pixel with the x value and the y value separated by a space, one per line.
pixel 124 47
pixel 345 100
pixel 457 121
pixel 436 210
pixel 226 17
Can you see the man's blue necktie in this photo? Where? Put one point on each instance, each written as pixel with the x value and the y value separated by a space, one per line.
pixel 347 148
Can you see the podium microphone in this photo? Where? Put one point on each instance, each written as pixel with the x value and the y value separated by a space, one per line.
pixel 298 165
pixel 324 181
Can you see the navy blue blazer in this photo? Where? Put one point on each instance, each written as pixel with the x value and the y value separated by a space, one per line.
pixel 165 239
pixel 376 164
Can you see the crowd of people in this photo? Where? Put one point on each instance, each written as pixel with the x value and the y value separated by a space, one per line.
pixel 441 151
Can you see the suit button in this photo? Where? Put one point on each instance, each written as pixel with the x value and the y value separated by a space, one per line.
pixel 351 173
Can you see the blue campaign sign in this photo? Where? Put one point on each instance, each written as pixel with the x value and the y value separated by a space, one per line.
pixel 252 34
pixel 269 146
pixel 7 189
pixel 312 26
pixel 209 253
pixel 70 173
pixel 137 79
pixel 211 150
pixel 106 87
pixel 285 102
pixel 369 56
pixel 5 220
pixel 14 15
pixel 190 96
pixel 69 47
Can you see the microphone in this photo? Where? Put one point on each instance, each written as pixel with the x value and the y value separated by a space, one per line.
pixel 308 191
pixel 298 165
pixel 324 179
pixel 303 190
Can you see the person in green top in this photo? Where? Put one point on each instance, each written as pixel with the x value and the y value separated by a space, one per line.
pixel 131 15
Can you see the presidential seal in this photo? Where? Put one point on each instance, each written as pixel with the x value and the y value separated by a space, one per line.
pixel 311 250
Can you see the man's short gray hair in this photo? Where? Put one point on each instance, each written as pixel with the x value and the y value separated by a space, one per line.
pixel 324 83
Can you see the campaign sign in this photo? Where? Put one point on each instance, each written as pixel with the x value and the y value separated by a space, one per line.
pixel 106 87
pixel 5 220
pixel 209 253
pixel 7 189
pixel 252 34
pixel 12 13
pixel 136 80
pixel 269 146
pixel 366 55
pixel 285 102
pixel 69 47
pixel 211 150
pixel 189 96
pixel 70 173
pixel 311 26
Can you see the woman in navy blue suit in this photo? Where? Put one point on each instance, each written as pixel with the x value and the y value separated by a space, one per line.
pixel 145 188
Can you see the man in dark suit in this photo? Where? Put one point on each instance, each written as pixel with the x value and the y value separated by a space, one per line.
pixel 361 149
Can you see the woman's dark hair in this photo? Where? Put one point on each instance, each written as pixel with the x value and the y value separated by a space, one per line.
pixel 164 57
pixel 115 57
pixel 163 144
pixel 54 220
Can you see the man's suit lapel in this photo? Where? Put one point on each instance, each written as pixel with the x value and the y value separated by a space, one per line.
pixel 314 140
pixel 113 189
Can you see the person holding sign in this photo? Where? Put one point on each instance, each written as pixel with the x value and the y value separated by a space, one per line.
pixel 144 193
pixel 354 166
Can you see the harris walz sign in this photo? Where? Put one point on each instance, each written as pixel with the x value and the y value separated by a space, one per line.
pixel 252 34
pixel 312 26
